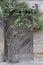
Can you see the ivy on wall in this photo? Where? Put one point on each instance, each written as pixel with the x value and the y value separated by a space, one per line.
pixel 30 17
pixel 14 8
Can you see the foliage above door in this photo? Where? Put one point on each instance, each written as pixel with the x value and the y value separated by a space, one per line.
pixel 14 8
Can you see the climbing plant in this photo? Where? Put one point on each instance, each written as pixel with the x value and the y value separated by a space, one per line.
pixel 14 8
pixel 26 16
pixel 37 22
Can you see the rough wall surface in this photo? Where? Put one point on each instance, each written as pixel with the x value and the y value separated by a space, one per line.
pixel 38 43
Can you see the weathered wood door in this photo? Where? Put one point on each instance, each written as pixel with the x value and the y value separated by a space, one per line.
pixel 19 48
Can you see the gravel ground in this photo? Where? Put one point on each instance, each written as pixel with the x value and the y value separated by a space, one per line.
pixel 23 63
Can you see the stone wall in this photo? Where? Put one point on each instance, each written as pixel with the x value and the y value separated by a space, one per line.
pixel 37 38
